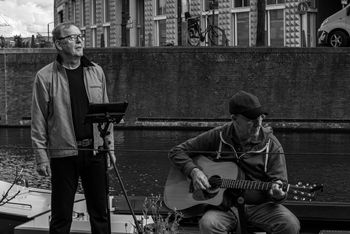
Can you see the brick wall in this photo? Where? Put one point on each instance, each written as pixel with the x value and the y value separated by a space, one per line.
pixel 292 83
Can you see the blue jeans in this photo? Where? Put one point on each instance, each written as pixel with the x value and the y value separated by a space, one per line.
pixel 271 217
pixel 64 181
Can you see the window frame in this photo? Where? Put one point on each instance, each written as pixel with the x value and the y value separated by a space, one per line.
pixel 240 7
pixel 234 13
pixel 83 14
pixel 74 10
pixel 106 11
pixel 155 11
pixel 205 14
pixel 270 8
pixel 276 3
pixel 157 33
pixel 156 23
pixel 93 12
pixel 93 36
pixel 107 36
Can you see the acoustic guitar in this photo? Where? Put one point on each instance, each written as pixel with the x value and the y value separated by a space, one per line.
pixel 179 193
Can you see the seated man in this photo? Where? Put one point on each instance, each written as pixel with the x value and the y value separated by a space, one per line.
pixel 258 154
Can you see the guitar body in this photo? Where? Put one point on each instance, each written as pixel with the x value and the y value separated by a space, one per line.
pixel 179 194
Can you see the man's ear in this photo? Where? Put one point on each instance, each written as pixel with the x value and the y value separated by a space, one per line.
pixel 58 45
pixel 233 117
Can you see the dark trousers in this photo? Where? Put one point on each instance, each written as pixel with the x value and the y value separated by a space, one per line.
pixel 64 181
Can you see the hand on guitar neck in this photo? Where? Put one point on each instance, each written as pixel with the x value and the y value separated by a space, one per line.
pixel 200 182
pixel 276 192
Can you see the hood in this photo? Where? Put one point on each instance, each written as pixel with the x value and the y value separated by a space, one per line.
pixel 229 135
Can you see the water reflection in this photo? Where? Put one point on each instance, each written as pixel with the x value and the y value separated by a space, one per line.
pixel 143 163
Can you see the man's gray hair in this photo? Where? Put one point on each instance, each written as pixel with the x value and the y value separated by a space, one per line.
pixel 56 32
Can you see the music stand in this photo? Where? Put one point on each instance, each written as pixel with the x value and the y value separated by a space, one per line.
pixel 105 114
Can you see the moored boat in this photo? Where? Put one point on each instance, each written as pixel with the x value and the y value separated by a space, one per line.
pixel 29 213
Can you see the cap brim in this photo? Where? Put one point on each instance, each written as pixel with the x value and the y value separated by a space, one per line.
pixel 254 113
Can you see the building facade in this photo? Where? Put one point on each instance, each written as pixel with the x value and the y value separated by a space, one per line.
pixel 114 23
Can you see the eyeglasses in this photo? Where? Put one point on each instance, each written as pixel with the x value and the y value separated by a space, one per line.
pixel 73 37
pixel 256 121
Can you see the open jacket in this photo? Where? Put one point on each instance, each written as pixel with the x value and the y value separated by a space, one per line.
pixel 263 161
pixel 52 130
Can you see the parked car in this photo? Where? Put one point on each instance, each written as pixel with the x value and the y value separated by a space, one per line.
pixel 335 30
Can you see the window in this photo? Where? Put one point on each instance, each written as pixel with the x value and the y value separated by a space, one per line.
pixel 276 28
pixel 212 20
pixel 210 5
pixel 93 37
pixel 241 3
pixel 93 12
pixel 106 15
pixel 241 28
pixel 272 2
pixel 160 7
pixel 161 32
pixel 60 16
pixel 106 35
pixel 74 5
pixel 160 23
pixel 274 35
pixel 83 15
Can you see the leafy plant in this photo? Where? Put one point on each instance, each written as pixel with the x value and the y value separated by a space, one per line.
pixel 163 224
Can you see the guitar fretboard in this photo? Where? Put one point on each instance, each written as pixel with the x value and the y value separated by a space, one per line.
pixel 245 184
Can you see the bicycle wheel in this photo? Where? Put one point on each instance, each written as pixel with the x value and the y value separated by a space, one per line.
pixel 217 36
pixel 193 37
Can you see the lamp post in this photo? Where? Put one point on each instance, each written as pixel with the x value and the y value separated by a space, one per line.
pixel 48 31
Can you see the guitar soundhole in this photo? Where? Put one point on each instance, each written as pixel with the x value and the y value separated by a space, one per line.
pixel 215 182
pixel 202 195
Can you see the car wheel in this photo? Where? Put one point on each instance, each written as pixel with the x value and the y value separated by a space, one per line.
pixel 338 39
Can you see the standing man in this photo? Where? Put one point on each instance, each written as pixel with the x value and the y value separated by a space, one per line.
pixel 258 153
pixel 61 95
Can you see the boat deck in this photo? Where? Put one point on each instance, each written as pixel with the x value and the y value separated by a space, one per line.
pixel 30 212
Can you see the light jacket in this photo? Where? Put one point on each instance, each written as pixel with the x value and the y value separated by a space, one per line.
pixel 262 161
pixel 52 130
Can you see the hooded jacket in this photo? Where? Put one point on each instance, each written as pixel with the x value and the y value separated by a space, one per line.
pixel 262 160
pixel 52 130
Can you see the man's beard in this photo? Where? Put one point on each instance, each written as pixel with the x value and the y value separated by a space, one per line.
pixel 254 136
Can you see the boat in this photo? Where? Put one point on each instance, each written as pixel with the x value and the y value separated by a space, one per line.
pixel 29 213
pixel 26 210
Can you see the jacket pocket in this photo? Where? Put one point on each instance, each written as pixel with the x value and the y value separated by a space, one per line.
pixel 96 93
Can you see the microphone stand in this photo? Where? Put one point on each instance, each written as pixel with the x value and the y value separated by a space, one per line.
pixel 106 119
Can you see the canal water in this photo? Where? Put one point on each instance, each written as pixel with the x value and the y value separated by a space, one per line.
pixel 143 163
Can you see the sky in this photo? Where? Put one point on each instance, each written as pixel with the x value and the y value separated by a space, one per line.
pixel 25 17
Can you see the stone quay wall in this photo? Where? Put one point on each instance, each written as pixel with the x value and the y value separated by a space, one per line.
pixel 189 87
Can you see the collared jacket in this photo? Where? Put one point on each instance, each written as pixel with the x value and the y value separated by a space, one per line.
pixel 52 130
pixel 263 160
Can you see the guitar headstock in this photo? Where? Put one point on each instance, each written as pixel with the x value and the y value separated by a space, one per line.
pixel 304 192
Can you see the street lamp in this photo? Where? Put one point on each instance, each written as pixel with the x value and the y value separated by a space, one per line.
pixel 48 31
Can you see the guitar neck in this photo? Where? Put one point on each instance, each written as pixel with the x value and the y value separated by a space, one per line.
pixel 247 184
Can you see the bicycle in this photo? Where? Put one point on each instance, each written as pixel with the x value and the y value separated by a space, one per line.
pixel 214 33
